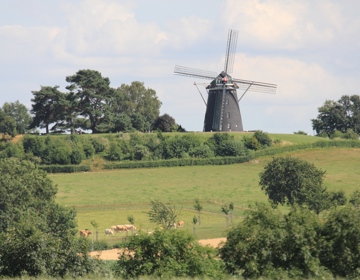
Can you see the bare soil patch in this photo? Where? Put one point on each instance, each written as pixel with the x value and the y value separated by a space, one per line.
pixel 113 254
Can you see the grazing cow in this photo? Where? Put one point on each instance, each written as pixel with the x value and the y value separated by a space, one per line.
pixel 180 223
pixel 113 228
pixel 121 228
pixel 109 232
pixel 85 233
pixel 130 227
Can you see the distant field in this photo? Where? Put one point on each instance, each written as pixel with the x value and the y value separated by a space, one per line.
pixel 108 197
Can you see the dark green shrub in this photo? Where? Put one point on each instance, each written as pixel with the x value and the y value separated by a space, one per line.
pixel 168 254
pixel 88 147
pixel 77 156
pixel 114 153
pixel 251 143
pixel 340 251
pixel 202 151
pixel 300 132
pixel 100 144
pixel 12 150
pixel 34 145
pixel 263 138
pixel 64 168
pixel 268 244
pixel 141 152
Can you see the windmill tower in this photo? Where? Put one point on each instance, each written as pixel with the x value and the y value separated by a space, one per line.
pixel 222 106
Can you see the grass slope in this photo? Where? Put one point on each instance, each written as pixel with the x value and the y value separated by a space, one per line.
pixel 108 197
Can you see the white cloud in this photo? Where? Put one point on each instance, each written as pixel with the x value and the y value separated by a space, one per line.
pixel 289 24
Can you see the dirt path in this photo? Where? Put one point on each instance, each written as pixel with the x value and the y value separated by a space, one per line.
pixel 113 253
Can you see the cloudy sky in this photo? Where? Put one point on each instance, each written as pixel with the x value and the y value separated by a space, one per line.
pixel 309 48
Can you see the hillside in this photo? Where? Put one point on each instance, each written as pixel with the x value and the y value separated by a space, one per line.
pixel 110 196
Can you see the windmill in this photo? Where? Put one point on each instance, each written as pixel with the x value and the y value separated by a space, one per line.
pixel 222 106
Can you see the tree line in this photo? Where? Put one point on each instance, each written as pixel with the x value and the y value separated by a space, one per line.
pixel 89 104
pixel 73 149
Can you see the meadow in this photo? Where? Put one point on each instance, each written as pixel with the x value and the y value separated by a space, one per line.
pixel 109 197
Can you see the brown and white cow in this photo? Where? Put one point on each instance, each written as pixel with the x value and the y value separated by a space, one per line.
pixel 85 233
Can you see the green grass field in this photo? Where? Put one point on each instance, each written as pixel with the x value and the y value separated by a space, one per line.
pixel 109 197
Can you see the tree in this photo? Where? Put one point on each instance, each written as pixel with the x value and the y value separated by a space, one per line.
pixel 19 113
pixel 136 99
pixel 162 214
pixel 289 180
pixel 340 115
pixel 168 254
pixel 271 245
pixel 37 236
pixel 341 248
pixel 92 92
pixel 7 124
pixel 48 107
pixel 198 207
pixel 227 210
pixel 164 123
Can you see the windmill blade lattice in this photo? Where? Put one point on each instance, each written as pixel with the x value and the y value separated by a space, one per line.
pixel 230 51
pixel 192 72
pixel 256 86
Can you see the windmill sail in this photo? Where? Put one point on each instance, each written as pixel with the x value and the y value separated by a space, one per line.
pixel 222 107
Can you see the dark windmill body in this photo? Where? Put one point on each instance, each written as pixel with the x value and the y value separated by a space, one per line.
pixel 222 106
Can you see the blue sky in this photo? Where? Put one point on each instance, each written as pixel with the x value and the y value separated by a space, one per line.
pixel 309 48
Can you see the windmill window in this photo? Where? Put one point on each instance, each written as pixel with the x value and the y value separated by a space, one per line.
pixel 228 114
pixel 229 126
pixel 227 101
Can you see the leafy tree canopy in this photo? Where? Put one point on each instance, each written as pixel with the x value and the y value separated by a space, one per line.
pixel 37 236
pixel 162 214
pixel 20 114
pixel 164 123
pixel 289 180
pixel 341 115
pixel 168 254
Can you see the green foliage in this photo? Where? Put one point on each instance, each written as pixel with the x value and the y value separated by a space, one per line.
pixel 7 124
pixel 263 138
pixel 48 106
pixel 355 198
pixel 34 145
pixel 341 115
pixel 37 236
pixel 164 123
pixel 64 168
pixel 269 244
pixel 289 180
pixel 341 243
pixel 251 143
pixel 141 152
pixel 115 152
pixel 167 254
pixel 12 150
pixel 162 214
pixel 300 132
pixel 100 144
pixel 20 114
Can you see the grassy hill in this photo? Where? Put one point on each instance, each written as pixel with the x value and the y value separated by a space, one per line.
pixel 109 197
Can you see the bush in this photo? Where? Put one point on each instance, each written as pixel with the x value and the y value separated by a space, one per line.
pixel 100 144
pixel 270 244
pixel 168 254
pixel 141 152
pixel 114 153
pixel 263 138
